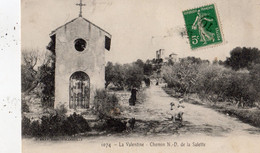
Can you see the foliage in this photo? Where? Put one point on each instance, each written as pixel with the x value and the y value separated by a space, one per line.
pixel 26 126
pixel 75 124
pixel 127 75
pixel 106 105
pixel 148 69
pixel 30 60
pixel 213 81
pixel 114 125
pixel 27 76
pixel 193 60
pixel 182 75
pixel 109 75
pixel 39 70
pixel 243 58
pixel 55 125
pixel 226 84
pixel 133 76
pixel 25 107
pixel 47 73
pixel 139 63
pixel 61 110
pixel 255 77
pixel 114 74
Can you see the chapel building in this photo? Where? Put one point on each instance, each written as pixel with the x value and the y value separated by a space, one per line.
pixel 79 47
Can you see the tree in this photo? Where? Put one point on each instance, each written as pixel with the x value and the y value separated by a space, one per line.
pixel 28 73
pixel 109 73
pixel 242 58
pixel 255 76
pixel 114 74
pixel 139 63
pixel 118 76
pixel 192 60
pixel 39 69
pixel 47 78
pixel 127 75
pixel 133 76
pixel 148 69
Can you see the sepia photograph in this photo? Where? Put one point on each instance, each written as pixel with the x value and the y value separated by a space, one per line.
pixel 139 76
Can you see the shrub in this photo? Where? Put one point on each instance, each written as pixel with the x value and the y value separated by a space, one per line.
pixel 25 107
pixel 114 125
pixel 213 79
pixel 35 129
pixel 224 84
pixel 26 126
pixel 255 76
pixel 55 125
pixel 181 76
pixel 52 125
pixel 214 82
pixel 75 124
pixel 61 110
pixel 106 105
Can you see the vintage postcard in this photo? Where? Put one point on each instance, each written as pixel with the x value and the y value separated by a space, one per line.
pixel 136 76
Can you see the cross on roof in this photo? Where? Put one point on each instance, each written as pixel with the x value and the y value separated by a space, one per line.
pixel 80 5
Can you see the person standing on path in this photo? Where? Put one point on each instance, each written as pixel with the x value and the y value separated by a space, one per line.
pixel 132 99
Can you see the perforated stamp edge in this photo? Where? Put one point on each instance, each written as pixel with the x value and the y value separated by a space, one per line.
pixel 220 28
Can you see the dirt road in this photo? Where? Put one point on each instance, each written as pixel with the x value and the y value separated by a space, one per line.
pixel 198 120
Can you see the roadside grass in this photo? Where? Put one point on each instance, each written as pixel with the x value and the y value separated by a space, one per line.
pixel 246 115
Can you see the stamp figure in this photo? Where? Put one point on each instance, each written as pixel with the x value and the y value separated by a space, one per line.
pixel 202 26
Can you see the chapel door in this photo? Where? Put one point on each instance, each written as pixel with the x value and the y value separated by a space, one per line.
pixel 79 90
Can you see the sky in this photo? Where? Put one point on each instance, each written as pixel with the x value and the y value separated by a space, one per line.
pixel 140 27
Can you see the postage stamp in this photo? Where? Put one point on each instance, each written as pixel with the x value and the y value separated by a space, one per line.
pixel 203 26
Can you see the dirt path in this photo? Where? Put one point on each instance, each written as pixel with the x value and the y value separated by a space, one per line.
pixel 198 120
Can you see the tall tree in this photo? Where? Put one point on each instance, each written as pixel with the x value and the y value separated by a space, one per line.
pixel 243 58
pixel 39 69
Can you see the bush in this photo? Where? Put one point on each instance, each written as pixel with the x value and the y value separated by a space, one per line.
pixel 55 125
pixel 61 110
pixel 52 125
pixel 181 76
pixel 106 105
pixel 25 107
pixel 255 76
pixel 26 126
pixel 114 125
pixel 75 124
pixel 214 82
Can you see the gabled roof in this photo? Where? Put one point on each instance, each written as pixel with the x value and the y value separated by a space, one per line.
pixel 54 31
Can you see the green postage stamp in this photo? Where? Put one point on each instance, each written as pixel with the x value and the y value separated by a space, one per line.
pixel 203 26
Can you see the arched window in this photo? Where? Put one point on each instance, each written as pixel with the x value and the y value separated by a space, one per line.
pixel 79 90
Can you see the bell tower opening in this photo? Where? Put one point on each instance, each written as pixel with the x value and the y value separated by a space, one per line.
pixel 79 90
